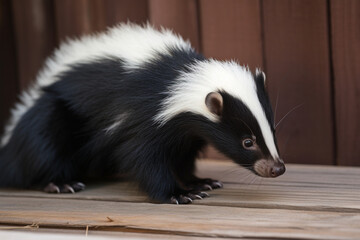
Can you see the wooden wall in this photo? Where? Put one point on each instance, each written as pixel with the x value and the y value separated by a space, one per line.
pixel 309 49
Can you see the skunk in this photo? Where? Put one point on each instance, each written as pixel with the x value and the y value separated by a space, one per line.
pixel 142 102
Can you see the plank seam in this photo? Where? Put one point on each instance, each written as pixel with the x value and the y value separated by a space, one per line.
pixel 332 84
pixel 262 33
pixel 313 208
pixel 199 25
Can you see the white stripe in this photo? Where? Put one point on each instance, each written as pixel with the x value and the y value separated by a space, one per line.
pixel 189 93
pixel 133 43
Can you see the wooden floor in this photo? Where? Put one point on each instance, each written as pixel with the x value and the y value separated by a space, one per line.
pixel 308 202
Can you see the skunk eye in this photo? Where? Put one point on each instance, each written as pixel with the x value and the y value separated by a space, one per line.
pixel 248 143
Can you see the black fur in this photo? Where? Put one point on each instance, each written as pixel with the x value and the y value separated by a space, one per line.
pixel 63 137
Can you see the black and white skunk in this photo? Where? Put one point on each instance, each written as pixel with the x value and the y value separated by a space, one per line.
pixel 139 102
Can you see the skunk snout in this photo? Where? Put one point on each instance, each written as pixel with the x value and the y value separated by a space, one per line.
pixel 277 170
pixel 269 168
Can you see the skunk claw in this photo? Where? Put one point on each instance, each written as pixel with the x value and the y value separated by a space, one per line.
pixel 188 197
pixel 65 188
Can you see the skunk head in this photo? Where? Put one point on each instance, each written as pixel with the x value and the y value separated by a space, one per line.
pixel 235 110
pixel 239 135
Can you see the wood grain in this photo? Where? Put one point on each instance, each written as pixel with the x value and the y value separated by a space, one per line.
pixel 115 11
pixel 232 30
pixel 308 202
pixel 296 42
pixel 92 234
pixel 9 85
pixel 192 220
pixel 181 16
pixel 35 36
pixel 72 18
pixel 345 20
pixel 75 18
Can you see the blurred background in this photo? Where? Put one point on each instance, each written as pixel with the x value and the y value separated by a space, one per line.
pixel 309 50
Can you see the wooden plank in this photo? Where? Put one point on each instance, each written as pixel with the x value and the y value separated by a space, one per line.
pixel 76 18
pixel 35 36
pixel 335 189
pixel 122 11
pixel 232 30
pixel 186 220
pixel 298 70
pixel 104 13
pixel 181 16
pixel 345 19
pixel 72 18
pixel 9 85
pixel 33 233
pixel 308 202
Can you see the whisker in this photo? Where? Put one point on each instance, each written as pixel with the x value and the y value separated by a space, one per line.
pixel 286 143
pixel 239 168
pixel 255 178
pixel 296 107
pixel 276 106
pixel 241 177
pixel 251 180
pixel 230 171
pixel 261 179
pixel 245 179
pixel 246 126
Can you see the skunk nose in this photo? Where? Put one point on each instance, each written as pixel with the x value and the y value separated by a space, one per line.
pixel 277 170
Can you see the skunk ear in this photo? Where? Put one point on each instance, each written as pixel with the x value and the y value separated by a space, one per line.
pixel 214 102
pixel 260 76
